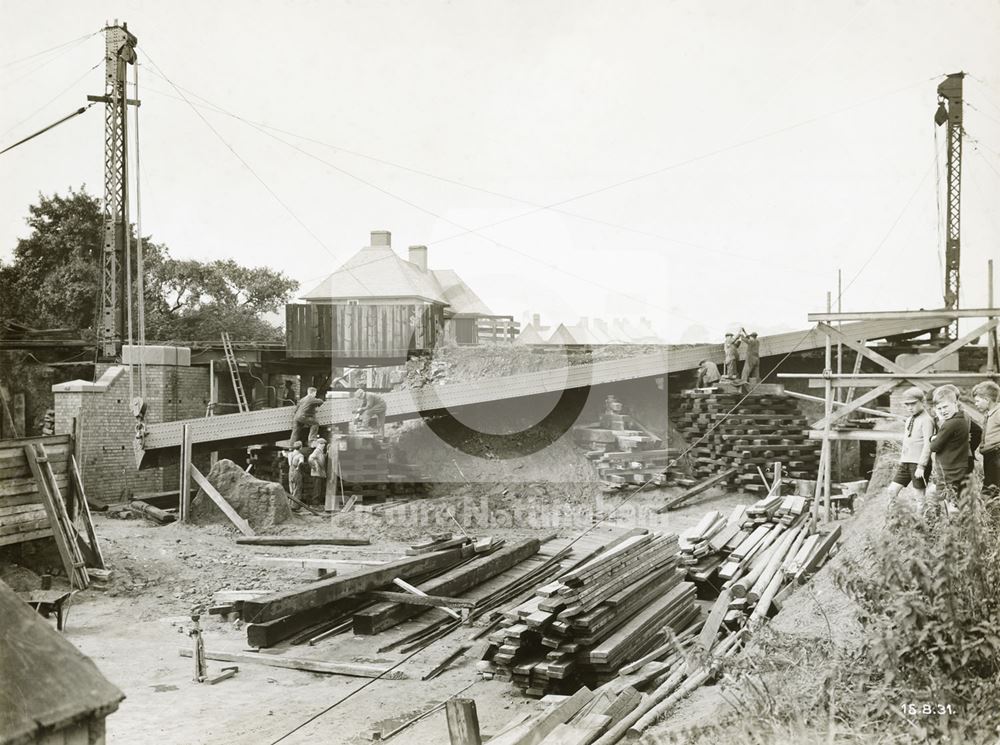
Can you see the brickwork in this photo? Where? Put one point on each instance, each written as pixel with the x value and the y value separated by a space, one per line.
pixel 107 427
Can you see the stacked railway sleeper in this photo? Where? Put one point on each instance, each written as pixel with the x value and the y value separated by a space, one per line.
pixel 623 451
pixel 582 628
pixel 761 428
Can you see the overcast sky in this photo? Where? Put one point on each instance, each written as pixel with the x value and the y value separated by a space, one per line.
pixel 701 164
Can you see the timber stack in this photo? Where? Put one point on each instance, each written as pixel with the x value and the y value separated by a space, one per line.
pixel 748 432
pixel 624 452
pixel 583 627
pixel 756 555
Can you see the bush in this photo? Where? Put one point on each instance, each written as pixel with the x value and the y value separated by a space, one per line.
pixel 930 602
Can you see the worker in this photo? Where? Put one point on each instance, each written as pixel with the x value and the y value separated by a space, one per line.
pixel 708 374
pixel 295 462
pixel 950 444
pixel 986 397
pixel 317 469
pixel 751 365
pixel 731 349
pixel 370 407
pixel 913 468
pixel 305 427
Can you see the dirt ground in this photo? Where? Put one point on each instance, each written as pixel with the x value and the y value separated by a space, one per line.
pixel 133 631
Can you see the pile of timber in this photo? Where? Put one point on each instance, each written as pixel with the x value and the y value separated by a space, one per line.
pixel 762 428
pixel 376 598
pixel 753 555
pixel 624 452
pixel 618 470
pixel 615 431
pixel 624 706
pixel 582 628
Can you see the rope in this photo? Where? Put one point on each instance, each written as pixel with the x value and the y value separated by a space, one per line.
pixel 46 129
pixel 5 65
pixel 61 93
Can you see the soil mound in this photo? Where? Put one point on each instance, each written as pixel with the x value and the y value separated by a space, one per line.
pixel 263 504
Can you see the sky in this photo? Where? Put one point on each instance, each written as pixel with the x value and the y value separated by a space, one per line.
pixel 704 165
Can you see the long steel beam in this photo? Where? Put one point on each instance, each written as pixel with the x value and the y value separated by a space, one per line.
pixel 269 425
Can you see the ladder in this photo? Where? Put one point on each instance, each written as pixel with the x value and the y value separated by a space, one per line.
pixel 234 373
pixel 62 526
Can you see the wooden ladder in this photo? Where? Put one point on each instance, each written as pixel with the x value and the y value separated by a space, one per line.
pixel 63 529
pixel 234 373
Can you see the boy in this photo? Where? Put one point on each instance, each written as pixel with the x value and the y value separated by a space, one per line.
pixel 317 469
pixel 295 461
pixel 986 397
pixel 950 445
pixel 915 458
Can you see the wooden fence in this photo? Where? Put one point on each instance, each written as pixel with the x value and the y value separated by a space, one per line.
pixel 22 513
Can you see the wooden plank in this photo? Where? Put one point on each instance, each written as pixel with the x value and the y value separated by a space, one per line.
pixel 283 540
pixel 227 509
pixel 428 601
pixel 463 722
pixel 350 669
pixel 383 616
pixel 280 604
pixel 710 631
pixel 33 535
pixel 33 522
pixel 283 561
pixel 539 727
pixel 88 521
pixel 696 490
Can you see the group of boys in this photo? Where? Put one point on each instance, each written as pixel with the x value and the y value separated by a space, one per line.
pixel 948 436
pixel 307 454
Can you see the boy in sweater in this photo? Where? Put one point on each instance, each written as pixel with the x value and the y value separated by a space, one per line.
pixel 986 396
pixel 915 457
pixel 950 445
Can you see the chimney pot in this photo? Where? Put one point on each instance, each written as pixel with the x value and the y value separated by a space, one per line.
pixel 381 238
pixel 536 320
pixel 418 256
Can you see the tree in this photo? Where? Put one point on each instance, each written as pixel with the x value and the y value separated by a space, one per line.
pixel 54 281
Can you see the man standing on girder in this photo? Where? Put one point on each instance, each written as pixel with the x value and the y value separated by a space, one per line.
pixel 371 406
pixel 751 365
pixel 305 427
pixel 731 349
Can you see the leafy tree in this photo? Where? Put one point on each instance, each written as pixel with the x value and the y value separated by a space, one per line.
pixel 54 281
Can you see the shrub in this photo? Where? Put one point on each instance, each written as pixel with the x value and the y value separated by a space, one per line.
pixel 929 598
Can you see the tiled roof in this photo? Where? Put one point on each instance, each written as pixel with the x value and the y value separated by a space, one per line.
pixel 377 272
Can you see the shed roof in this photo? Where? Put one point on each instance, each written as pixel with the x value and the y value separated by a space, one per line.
pixel 47 682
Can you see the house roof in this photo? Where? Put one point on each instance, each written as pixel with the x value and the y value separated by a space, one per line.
pixel 377 272
pixel 529 335
pixel 47 682
pixel 459 296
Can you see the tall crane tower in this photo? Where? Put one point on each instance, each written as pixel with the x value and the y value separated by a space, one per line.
pixel 950 111
pixel 119 53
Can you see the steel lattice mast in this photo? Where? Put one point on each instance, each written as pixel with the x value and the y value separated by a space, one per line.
pixel 950 111
pixel 119 52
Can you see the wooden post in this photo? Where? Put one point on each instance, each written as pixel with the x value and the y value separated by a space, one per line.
pixel 185 487
pixel 828 413
pixel 463 721
pixel 840 370
pixel 991 339
pixel 332 470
